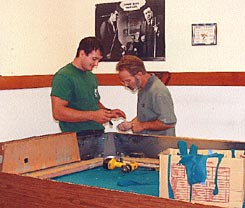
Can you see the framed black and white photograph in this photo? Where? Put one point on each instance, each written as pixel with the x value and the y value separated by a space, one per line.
pixel 135 27
pixel 204 34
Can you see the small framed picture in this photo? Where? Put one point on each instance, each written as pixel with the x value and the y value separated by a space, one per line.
pixel 204 34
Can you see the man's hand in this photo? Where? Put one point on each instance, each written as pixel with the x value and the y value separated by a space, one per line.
pixel 124 126
pixel 116 113
pixel 101 116
pixel 137 126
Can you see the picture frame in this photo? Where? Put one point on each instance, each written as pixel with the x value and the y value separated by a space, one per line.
pixel 204 34
pixel 125 28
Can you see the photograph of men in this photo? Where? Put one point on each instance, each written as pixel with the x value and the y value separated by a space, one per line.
pixel 151 34
pixel 127 29
pixel 109 37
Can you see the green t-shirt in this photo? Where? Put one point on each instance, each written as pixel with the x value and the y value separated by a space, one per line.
pixel 80 89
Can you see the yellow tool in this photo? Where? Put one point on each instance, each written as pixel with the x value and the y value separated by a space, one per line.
pixel 111 163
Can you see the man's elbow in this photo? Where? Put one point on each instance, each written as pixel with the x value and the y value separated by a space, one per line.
pixel 56 115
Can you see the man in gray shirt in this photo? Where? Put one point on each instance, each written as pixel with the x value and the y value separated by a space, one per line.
pixel 155 109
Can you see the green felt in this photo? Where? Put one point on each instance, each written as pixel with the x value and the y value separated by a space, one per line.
pixel 141 181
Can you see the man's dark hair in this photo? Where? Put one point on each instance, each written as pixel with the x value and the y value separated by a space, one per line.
pixel 145 7
pixel 90 44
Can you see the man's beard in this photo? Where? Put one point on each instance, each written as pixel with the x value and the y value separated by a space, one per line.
pixel 137 85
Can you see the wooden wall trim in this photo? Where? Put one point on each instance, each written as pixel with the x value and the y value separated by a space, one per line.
pixel 22 82
pixel 174 79
pixel 208 79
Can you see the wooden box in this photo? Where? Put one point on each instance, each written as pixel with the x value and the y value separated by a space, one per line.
pixel 231 180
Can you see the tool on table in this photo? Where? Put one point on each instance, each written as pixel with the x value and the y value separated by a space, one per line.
pixel 112 162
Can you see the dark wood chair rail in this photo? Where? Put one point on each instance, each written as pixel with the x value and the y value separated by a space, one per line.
pixel 171 79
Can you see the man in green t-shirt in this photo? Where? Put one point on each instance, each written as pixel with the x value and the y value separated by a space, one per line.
pixel 75 97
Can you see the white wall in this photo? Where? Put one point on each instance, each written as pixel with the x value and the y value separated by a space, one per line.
pixel 210 112
pixel 202 112
pixel 227 55
pixel 25 113
pixel 38 37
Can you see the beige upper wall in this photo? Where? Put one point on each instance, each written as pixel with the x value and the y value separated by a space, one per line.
pixel 39 37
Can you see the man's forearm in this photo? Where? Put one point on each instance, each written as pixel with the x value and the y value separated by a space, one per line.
pixel 67 114
pixel 155 125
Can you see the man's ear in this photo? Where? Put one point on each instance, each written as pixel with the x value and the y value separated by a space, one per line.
pixel 139 74
pixel 81 53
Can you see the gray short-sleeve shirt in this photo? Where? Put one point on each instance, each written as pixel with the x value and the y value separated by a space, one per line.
pixel 155 102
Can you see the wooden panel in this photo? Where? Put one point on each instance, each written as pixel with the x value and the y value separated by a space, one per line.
pixel 66 169
pixel 175 79
pixel 22 191
pixel 36 153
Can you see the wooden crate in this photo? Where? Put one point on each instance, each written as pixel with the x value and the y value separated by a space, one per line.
pixel 231 180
